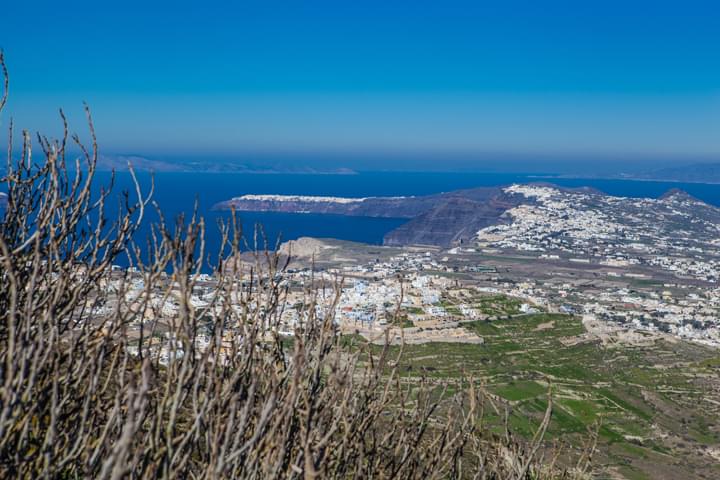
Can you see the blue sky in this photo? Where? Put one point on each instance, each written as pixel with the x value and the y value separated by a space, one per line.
pixel 629 78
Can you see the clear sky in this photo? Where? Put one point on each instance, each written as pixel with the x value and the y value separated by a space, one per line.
pixel 219 78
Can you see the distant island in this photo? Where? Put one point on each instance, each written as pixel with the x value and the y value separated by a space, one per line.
pixel 120 163
pixel 694 173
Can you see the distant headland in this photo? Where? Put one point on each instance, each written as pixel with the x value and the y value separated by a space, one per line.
pixel 695 173
pixel 121 163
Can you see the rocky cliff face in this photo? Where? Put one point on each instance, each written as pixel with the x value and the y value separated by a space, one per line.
pixel 385 207
pixel 454 221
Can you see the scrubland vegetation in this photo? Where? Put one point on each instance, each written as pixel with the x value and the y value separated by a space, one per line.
pixel 83 393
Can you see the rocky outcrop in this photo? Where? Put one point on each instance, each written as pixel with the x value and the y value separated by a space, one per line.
pixel 678 195
pixel 303 247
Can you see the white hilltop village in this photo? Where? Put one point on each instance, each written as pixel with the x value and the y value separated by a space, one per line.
pixel 308 198
pixel 625 265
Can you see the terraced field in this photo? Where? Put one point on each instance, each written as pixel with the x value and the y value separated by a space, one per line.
pixel 498 305
pixel 658 404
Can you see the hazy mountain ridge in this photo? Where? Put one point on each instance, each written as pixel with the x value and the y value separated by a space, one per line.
pixel 698 172
pixel 708 173
pixel 121 163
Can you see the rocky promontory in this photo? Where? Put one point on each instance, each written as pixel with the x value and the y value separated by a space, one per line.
pixel 386 207
pixel 442 219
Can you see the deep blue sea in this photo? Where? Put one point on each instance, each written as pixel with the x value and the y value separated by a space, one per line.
pixel 176 193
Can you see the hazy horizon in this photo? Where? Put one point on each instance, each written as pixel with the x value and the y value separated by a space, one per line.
pixel 558 85
pixel 334 161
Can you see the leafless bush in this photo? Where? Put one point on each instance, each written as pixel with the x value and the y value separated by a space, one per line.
pixel 110 373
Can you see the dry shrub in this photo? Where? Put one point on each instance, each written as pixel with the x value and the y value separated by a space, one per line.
pixel 108 373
